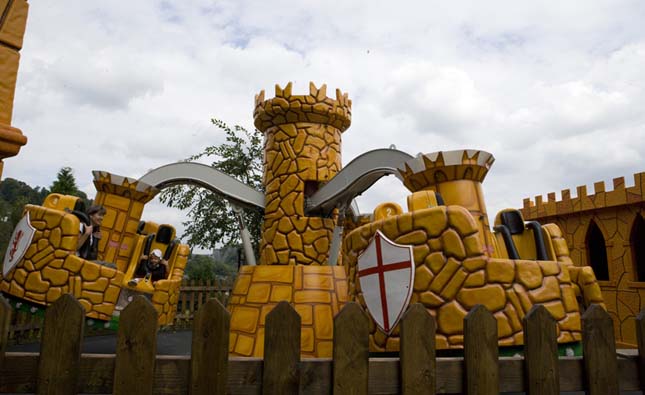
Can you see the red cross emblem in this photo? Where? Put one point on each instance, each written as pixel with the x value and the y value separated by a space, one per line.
pixel 386 277
pixel 20 241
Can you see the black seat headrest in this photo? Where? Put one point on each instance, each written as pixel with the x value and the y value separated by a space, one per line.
pixel 141 227
pixel 80 206
pixel 439 199
pixel 513 221
pixel 84 218
pixel 164 234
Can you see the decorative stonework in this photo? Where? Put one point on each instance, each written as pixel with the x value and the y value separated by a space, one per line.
pixel 124 198
pixel 302 150
pixel 614 212
pixel 453 275
pixel 13 18
pixel 317 293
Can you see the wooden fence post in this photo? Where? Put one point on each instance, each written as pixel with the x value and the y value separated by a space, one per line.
pixel 541 352
pixel 209 360
pixel 60 350
pixel 599 349
pixel 136 348
pixel 5 319
pixel 351 351
pixel 481 353
pixel 418 362
pixel 640 336
pixel 281 351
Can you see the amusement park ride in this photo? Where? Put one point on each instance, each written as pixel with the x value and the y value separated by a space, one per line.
pixel 317 252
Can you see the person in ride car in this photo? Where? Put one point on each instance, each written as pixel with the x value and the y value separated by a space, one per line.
pixel 90 235
pixel 152 265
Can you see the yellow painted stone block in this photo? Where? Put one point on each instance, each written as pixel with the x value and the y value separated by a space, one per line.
pixel 503 325
pixel 323 322
pixel 324 349
pixel 491 296
pixel 282 274
pixel 422 278
pixel 100 285
pixel 430 299
pixel 413 238
pixel 571 322
pixel 306 313
pixel 160 297
pixel 529 274
pixel 259 293
pixel 473 264
pixel 73 263
pixel 20 275
pixel 117 202
pixel 104 308
pixel 500 271
pixel 450 318
pixel 454 285
pixel 244 345
pixel 549 290
pixel 93 297
pixel 53 293
pixel 112 294
pixel 420 253
pixel 513 317
pixel 87 306
pixel 53 218
pixel 69 243
pixel 460 219
pixel 55 237
pixel 42 244
pixel 317 281
pixel 569 298
pixel 556 309
pixel 435 261
pixel 452 244
pixel 444 276
pixel 549 268
pixel 242 283
pixel 245 319
pixel 35 283
pixel 307 339
pixel 341 291
pixel 281 292
pixel 312 297
pixel 55 263
pixel 456 340
pixel 433 220
pixel 473 245
pixel 476 279
pixel 90 271
pixel 54 276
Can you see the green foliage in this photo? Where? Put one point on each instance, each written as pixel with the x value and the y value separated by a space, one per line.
pixel 65 184
pixel 204 267
pixel 14 195
pixel 212 221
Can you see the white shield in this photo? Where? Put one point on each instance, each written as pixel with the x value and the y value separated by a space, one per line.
pixel 18 244
pixel 386 276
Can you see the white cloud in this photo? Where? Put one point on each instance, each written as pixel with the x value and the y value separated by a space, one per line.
pixel 554 91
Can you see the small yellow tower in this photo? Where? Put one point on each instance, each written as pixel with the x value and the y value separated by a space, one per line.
pixel 302 151
pixel 12 30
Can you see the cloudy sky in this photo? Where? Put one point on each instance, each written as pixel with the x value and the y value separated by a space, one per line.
pixel 554 90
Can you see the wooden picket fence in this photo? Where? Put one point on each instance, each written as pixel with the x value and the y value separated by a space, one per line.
pixel 26 327
pixel 60 368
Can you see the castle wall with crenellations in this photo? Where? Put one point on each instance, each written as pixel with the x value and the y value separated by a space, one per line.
pixel 614 212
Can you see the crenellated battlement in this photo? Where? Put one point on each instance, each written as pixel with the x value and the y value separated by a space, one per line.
pixel 601 198
pixel 315 107
pixel 130 188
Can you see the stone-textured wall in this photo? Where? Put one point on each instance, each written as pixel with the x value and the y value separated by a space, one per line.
pixel 614 212
pixel 13 19
pixel 317 293
pixel 166 293
pixel 453 275
pixel 50 267
pixel 124 199
pixel 302 144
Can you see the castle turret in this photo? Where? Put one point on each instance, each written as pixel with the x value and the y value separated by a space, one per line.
pixel 125 197
pixel 457 176
pixel 12 29
pixel 302 151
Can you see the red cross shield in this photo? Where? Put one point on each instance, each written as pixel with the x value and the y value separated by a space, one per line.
pixel 386 277
pixel 20 240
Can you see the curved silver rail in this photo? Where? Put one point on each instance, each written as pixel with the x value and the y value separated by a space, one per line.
pixel 360 174
pixel 207 177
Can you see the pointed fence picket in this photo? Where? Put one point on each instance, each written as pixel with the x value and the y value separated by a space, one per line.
pixel 136 369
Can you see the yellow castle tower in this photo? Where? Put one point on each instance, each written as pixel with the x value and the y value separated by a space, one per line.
pixel 302 150
pixel 13 18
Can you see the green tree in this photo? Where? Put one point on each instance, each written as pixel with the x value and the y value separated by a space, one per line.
pixel 212 221
pixel 65 184
pixel 204 267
